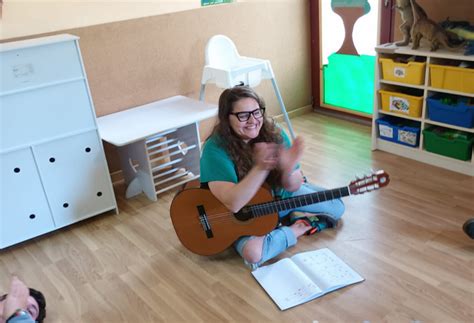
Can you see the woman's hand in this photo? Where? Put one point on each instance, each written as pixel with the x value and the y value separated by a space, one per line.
pixel 16 299
pixel 235 196
pixel 289 158
pixel 266 155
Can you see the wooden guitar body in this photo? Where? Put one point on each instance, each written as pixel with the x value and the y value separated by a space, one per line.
pixel 206 227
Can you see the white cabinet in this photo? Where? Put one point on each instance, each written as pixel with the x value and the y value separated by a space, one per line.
pixel 409 81
pixel 77 163
pixel 53 168
pixel 24 208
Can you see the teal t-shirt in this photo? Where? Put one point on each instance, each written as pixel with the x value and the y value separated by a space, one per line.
pixel 216 164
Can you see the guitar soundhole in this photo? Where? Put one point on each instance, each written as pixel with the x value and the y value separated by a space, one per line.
pixel 243 215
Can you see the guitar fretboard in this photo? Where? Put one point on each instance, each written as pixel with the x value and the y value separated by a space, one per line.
pixel 297 201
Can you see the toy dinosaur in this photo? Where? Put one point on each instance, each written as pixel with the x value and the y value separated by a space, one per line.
pixel 406 15
pixel 423 27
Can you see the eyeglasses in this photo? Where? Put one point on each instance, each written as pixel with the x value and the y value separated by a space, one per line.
pixel 245 115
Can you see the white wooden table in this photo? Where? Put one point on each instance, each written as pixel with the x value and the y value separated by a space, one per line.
pixel 158 143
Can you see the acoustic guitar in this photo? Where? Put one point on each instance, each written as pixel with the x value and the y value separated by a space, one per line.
pixel 206 227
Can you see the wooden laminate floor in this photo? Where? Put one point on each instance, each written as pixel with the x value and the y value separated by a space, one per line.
pixel 406 240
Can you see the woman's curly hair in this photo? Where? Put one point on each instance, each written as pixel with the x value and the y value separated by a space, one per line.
pixel 240 152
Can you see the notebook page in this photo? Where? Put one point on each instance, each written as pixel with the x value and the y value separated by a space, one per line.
pixel 286 284
pixel 326 269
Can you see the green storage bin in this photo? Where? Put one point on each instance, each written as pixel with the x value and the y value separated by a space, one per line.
pixel 447 142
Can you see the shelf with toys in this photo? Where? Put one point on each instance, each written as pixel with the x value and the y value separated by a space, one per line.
pixel 424 106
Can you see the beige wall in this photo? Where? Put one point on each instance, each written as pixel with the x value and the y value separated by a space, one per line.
pixel 140 60
pixel 133 62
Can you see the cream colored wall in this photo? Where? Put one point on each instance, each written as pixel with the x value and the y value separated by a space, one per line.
pixel 137 61
pixel 30 17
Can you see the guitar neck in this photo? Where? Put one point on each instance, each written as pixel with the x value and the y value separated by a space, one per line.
pixel 297 201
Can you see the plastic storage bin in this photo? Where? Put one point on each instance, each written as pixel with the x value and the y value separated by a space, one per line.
pixel 403 132
pixel 452 78
pixel 452 143
pixel 401 103
pixel 409 73
pixel 455 110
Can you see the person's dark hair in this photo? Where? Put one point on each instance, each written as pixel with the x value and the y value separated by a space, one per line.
pixel 240 152
pixel 39 298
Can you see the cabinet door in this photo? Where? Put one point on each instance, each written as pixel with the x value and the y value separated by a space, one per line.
pixel 75 177
pixel 24 210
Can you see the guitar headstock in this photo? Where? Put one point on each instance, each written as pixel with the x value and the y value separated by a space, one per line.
pixel 368 183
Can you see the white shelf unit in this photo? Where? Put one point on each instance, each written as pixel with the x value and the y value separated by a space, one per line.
pixel 419 153
pixel 52 163
pixel 158 143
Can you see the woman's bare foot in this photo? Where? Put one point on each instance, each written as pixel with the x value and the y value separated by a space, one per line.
pixel 299 228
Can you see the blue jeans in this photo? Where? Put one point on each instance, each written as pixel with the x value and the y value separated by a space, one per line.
pixel 283 237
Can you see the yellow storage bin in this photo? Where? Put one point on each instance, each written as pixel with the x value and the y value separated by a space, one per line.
pixel 452 78
pixel 409 73
pixel 401 103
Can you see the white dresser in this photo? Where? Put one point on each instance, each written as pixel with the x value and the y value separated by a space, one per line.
pixel 52 164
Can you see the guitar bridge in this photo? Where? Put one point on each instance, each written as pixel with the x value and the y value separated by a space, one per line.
pixel 204 221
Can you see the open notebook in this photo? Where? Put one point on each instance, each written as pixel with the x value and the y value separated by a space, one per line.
pixel 304 277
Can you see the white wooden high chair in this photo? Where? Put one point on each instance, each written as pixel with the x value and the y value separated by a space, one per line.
pixel 226 68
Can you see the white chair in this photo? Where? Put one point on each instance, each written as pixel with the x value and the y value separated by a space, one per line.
pixel 226 68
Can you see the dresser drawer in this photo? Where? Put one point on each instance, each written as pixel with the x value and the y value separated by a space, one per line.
pixel 45 113
pixel 24 68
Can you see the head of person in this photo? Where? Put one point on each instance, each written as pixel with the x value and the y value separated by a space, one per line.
pixel 242 123
pixel 36 305
pixel 242 115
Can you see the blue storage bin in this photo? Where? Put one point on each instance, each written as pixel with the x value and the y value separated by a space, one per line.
pixel 451 109
pixel 400 131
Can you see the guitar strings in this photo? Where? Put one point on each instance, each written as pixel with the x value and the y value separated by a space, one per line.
pixel 227 217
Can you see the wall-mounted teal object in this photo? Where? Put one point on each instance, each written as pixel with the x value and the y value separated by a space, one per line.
pixel 351 4
pixel 211 2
